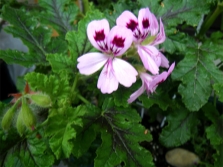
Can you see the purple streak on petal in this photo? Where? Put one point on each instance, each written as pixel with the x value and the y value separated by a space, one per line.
pixel 107 81
pixel 118 41
pixel 145 23
pixel 99 35
pixel 132 24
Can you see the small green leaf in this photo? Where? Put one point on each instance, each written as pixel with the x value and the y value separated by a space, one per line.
pixel 54 86
pixel 121 135
pixel 179 130
pixel 60 62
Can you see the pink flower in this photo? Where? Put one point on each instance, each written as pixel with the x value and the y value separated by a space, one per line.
pixel 146 24
pixel 112 44
pixel 150 83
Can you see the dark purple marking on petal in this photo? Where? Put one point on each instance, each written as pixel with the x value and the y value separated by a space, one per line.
pixel 99 35
pixel 118 41
pixel 145 23
pixel 132 25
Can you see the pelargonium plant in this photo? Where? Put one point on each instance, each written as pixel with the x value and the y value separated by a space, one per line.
pixel 116 83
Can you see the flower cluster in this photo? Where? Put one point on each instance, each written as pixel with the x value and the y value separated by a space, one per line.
pixel 142 34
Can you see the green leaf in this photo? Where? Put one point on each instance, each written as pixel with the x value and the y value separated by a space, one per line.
pixel 180 128
pixel 61 131
pixel 196 71
pixel 60 14
pixel 60 62
pixel 175 41
pixel 54 86
pixel 214 134
pixel 78 41
pixel 162 100
pixel 25 59
pixel 26 27
pixel 33 152
pixel 211 112
pixel 218 156
pixel 121 134
pixel 219 91
pixel 86 134
pixel 174 12
pixel 121 96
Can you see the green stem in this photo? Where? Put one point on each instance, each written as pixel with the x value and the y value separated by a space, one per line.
pixel 75 83
pixel 210 20
pixel 85 6
pixel 215 100
pixel 83 99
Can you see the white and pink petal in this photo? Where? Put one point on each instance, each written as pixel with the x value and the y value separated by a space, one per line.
pixel 107 81
pixel 97 32
pixel 124 72
pixel 91 62
pixel 119 40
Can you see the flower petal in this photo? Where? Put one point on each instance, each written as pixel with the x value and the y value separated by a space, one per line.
pixel 136 94
pixel 97 32
pixel 127 19
pixel 161 37
pixel 171 68
pixel 144 19
pixel 157 80
pixel 154 28
pixel 119 40
pixel 107 81
pixel 91 62
pixel 147 61
pixel 164 61
pixel 124 72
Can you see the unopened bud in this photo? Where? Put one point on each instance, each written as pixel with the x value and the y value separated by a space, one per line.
pixel 19 124
pixel 7 118
pixel 28 117
pixel 41 100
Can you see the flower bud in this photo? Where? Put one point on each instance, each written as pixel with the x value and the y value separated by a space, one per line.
pixel 7 118
pixel 28 117
pixel 19 124
pixel 41 100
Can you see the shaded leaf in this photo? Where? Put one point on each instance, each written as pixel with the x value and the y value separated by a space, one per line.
pixel 219 91
pixel 25 59
pixel 180 128
pixel 121 135
pixel 24 26
pixel 60 14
